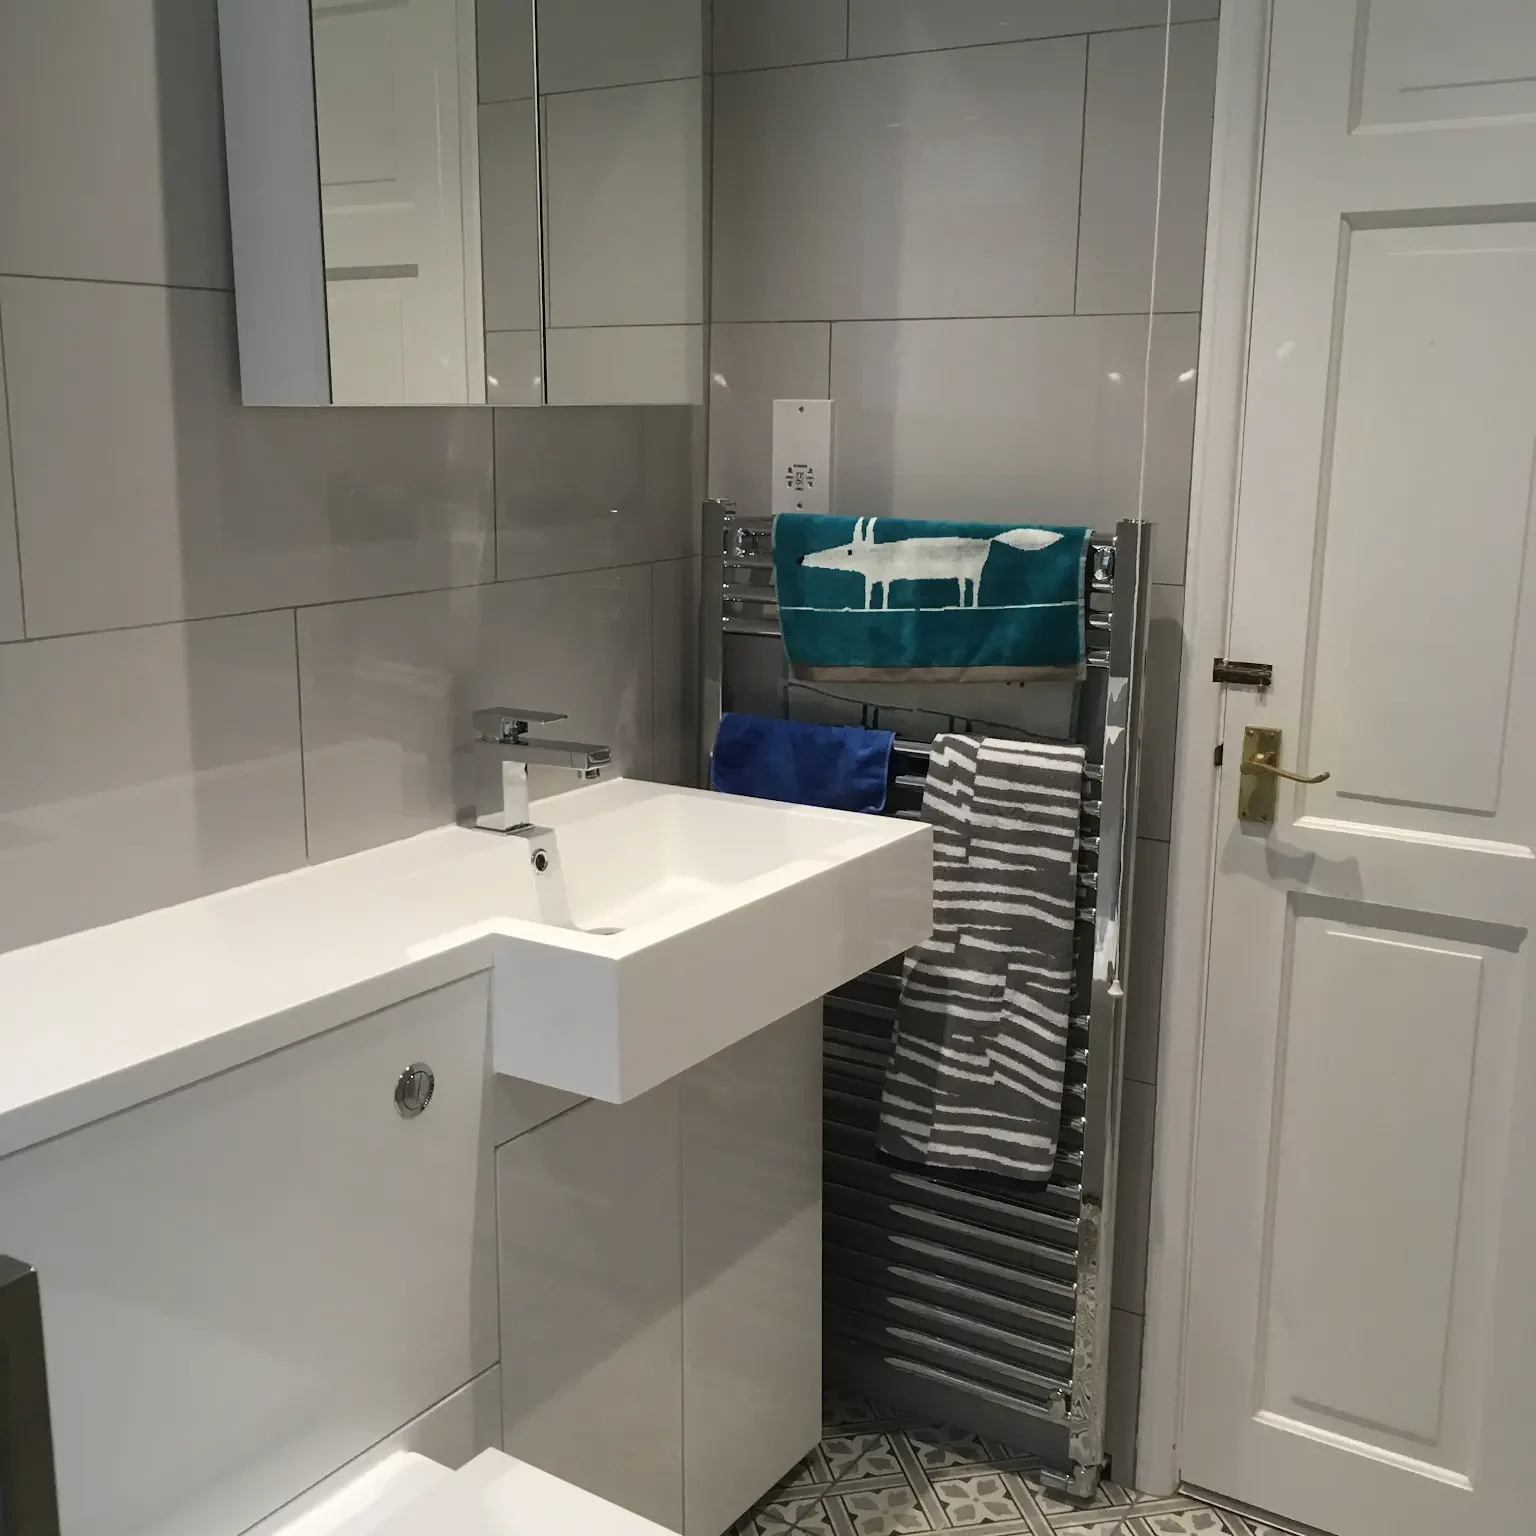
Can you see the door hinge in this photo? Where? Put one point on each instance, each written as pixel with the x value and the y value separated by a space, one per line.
pixel 1242 674
pixel 1221 752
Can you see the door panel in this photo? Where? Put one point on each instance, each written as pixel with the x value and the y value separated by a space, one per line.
pixel 1358 1355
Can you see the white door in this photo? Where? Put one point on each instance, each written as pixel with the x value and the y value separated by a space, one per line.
pixel 1361 1351
pixel 387 91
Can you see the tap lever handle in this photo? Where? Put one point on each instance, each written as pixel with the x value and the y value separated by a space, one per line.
pixel 501 723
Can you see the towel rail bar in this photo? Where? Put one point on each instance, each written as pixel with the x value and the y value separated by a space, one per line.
pixel 980 1327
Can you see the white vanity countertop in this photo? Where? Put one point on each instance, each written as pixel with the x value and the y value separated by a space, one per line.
pixel 99 1021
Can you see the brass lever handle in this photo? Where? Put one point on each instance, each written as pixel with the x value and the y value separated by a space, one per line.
pixel 1258 765
pixel 1257 780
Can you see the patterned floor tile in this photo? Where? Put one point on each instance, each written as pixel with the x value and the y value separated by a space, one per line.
pixel 881 1472
pixel 977 1501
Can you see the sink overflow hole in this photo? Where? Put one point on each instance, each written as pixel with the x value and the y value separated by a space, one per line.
pixel 540 861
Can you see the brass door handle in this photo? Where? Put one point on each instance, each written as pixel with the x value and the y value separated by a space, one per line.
pixel 1257 783
pixel 1258 765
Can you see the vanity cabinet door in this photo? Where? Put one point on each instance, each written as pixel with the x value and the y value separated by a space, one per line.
pixel 751 1159
pixel 250 1281
pixel 590 1239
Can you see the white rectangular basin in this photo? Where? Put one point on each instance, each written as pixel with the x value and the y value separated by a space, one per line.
pixel 672 923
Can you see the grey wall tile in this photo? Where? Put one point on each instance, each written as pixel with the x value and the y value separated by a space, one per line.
pixel 1160 711
pixel 504 49
pixel 1138 1115
pixel 898 26
pixel 518 1106
pixel 1123 1398
pixel 990 418
pixel 1174 360
pixel 623 175
pixel 10 569
pixel 626 365
pixel 511 278
pixel 514 368
pixel 143 768
pixel 1120 169
pixel 760 34
pixel 750 367
pixel 678 689
pixel 585 44
pixel 581 488
pixel 145 492
pixel 925 185
pixel 1144 982
pixel 389 685
pixel 118 102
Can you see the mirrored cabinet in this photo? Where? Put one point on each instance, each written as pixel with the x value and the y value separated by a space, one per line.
pixel 467 202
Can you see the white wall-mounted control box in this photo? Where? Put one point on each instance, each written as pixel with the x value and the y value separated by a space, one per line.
pixel 802 456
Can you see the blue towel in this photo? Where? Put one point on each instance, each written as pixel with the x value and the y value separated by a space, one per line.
pixel 895 600
pixel 841 767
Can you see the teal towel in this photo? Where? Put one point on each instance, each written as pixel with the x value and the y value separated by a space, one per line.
pixel 896 599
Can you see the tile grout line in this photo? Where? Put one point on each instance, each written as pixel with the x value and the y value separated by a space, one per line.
pixel 918 53
pixel 1051 314
pixel 298 692
pixel 10 448
pixel 1082 174
pixel 117 282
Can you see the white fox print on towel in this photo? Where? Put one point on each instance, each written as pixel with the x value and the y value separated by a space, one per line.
pixel 960 560
pixel 977 1074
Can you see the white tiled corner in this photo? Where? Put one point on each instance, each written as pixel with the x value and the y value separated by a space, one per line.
pixel 626 365
pixel 765 34
pixel 145 492
pixel 1160 711
pixel 1144 980
pixel 992 419
pixel 514 368
pixel 1122 128
pixel 1133 1196
pixel 1123 1397
pixel 504 49
pixel 901 26
pixel 623 173
pixel 750 367
pixel 143 768
pixel 925 185
pixel 511 279
pixel 588 44
pixel 677 692
pixel 11 626
pixel 104 171
pixel 582 488
pixel 389 685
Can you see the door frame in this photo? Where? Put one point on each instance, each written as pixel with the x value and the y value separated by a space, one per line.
pixel 1226 307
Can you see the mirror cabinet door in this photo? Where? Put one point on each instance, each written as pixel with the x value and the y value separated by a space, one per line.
pixel 465 202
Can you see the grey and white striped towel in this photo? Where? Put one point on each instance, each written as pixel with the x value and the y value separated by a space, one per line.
pixel 981 1032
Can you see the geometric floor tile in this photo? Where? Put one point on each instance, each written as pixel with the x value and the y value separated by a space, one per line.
pixel 878 1472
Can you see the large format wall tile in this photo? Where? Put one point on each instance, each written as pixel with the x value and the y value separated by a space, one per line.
pixel 626 365
pixel 1120 169
pixel 679 687
pixel 504 49
pixel 111 142
pixel 761 34
pixel 899 26
pixel 586 44
pixel 585 487
pixel 389 686
pixel 995 419
pixel 10 569
pixel 1035 418
pixel 1144 981
pixel 143 768
pixel 145 492
pixel 509 216
pixel 1138 1115
pixel 926 185
pixel 623 173
pixel 750 367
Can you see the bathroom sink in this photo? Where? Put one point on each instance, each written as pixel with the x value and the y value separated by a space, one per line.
pixel 652 927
